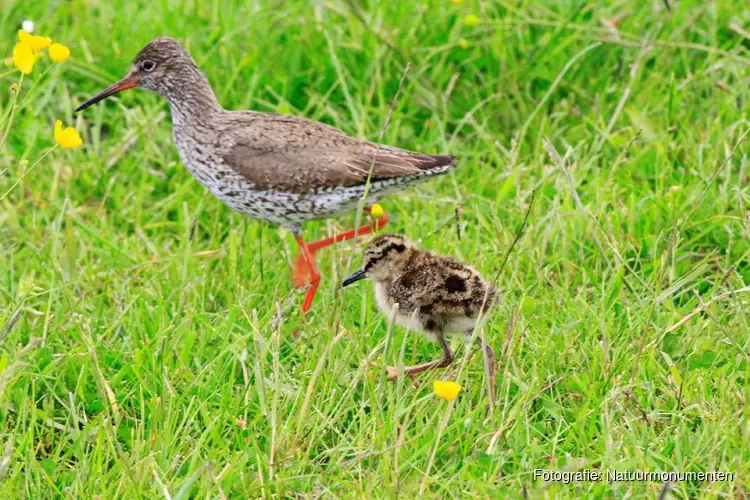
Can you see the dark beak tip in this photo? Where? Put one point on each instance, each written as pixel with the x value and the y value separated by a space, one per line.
pixel 357 275
pixel 129 82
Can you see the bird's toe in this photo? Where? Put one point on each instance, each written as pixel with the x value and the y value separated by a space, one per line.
pixel 301 273
pixel 391 373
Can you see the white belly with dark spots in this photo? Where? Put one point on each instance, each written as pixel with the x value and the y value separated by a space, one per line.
pixel 278 207
pixel 459 326
pixel 393 313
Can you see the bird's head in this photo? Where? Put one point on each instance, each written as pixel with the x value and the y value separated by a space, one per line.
pixel 385 258
pixel 163 66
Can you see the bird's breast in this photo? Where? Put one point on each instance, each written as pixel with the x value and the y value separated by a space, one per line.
pixel 393 312
pixel 383 300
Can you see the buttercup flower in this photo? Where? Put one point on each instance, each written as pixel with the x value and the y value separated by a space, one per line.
pixel 68 137
pixel 463 43
pixel 471 20
pixel 36 42
pixel 23 57
pixel 58 52
pixel 376 210
pixel 446 390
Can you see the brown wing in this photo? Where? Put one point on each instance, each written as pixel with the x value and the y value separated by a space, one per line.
pixel 298 155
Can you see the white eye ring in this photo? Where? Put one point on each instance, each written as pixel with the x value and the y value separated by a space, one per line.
pixel 148 65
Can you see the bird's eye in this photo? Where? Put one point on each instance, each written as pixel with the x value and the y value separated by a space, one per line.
pixel 148 65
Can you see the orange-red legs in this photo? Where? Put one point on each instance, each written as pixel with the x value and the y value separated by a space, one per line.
pixel 306 271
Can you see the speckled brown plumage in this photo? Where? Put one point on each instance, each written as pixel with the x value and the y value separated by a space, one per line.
pixel 281 169
pixel 277 168
pixel 423 291
pixel 267 144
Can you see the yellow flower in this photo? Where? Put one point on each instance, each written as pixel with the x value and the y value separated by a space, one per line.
pixel 58 52
pixel 446 390
pixel 471 20
pixel 67 138
pixel 376 210
pixel 36 42
pixel 463 43
pixel 23 57
pixel 457 2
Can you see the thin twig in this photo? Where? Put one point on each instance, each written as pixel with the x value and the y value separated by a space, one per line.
pixel 665 487
pixel 361 18
pixel 382 133
pixel 519 233
pixel 511 418
pixel 7 327
pixel 3 75
pixel 561 163
pixel 7 374
pixel 12 113
pixel 459 211
pixel 131 138
pixel 28 171
pixel 5 461
pixel 509 332
pixel 621 103
pixel 642 345
pixel 424 84
pixel 621 157
pixel 441 429
pixel 701 307
pixel 479 334
pixel 553 88
pixel 603 36
pixel 368 182
pixel 694 206
pixel 734 26
pixel 745 214
pixel 162 486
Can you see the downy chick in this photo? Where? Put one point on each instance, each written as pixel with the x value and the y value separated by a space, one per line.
pixel 429 293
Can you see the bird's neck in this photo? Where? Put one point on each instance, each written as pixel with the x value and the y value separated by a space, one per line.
pixel 192 99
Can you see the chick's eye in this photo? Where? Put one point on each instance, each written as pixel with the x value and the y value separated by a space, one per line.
pixel 148 65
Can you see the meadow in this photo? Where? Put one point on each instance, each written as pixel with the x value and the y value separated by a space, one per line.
pixel 151 343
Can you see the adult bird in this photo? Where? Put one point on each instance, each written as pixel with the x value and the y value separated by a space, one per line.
pixel 281 169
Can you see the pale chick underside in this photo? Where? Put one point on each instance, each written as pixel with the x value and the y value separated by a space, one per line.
pixel 461 326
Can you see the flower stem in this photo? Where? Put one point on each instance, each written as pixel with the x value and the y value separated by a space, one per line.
pixel 3 75
pixel 28 171
pixel 29 94
pixel 11 114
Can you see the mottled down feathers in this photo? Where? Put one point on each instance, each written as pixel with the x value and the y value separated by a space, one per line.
pixel 433 293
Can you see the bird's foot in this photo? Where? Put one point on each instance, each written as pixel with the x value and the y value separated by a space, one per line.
pixel 391 373
pixel 302 274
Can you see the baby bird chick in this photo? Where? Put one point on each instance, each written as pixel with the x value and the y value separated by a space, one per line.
pixel 433 294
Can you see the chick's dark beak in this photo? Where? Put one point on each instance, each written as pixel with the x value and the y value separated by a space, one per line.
pixel 357 275
pixel 129 82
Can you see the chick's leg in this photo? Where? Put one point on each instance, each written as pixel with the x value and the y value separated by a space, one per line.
pixel 446 360
pixel 491 364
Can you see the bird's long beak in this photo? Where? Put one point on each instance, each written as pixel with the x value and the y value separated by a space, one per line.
pixel 129 82
pixel 357 275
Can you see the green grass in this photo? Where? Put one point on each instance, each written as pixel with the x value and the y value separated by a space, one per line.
pixel 141 352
